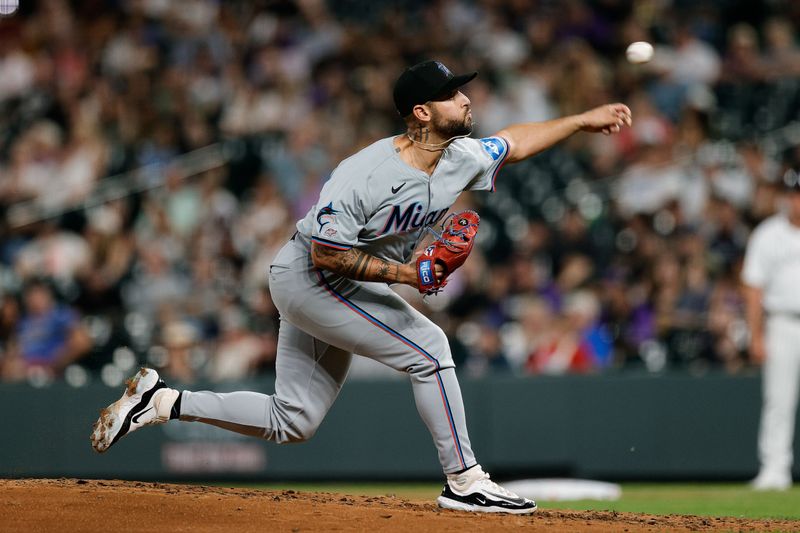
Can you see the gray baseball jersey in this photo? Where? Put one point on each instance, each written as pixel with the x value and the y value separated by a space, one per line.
pixel 379 204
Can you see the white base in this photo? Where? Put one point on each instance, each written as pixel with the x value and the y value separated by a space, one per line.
pixel 553 490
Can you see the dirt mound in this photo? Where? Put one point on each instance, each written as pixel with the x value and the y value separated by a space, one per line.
pixel 67 505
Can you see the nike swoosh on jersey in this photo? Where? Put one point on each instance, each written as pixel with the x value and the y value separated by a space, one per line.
pixel 396 190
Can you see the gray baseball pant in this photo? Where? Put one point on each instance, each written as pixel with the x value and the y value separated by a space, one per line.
pixel 324 320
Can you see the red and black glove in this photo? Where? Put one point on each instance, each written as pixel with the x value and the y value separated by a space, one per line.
pixel 449 250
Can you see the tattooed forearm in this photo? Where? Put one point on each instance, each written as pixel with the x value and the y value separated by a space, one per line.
pixel 355 264
pixel 359 265
pixel 339 262
pixel 383 270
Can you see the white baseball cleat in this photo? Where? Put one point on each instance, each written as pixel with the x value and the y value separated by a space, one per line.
pixel 146 401
pixel 472 490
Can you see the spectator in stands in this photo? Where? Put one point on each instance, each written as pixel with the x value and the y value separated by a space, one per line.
pixel 628 316
pixel 782 55
pixel 685 64
pixel 112 254
pixel 179 337
pixel 91 90
pixel 725 235
pixel 240 352
pixel 487 354
pixel 157 288
pixel 575 272
pixel 535 318
pixel 55 253
pixel 9 318
pixel 576 345
pixel 581 80
pixel 726 323
pixel 743 61
pixel 48 337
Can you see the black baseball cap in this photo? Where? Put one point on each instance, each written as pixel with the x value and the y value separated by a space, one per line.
pixel 423 82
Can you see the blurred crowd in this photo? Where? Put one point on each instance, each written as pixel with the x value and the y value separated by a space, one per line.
pixel 603 254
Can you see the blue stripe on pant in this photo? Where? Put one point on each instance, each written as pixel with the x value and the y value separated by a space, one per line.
pixel 408 342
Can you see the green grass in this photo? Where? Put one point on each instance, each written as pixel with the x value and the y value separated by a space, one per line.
pixel 733 499
pixel 697 499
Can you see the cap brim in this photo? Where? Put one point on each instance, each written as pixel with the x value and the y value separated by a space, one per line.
pixel 458 81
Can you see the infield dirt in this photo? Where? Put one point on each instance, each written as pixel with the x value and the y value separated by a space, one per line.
pixel 67 505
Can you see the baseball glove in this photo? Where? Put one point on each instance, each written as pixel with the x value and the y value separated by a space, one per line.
pixel 450 249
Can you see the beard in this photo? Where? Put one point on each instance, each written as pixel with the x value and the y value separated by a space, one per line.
pixel 449 128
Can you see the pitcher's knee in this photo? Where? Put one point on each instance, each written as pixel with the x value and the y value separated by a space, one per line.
pixel 296 432
pixel 436 356
pixel 290 424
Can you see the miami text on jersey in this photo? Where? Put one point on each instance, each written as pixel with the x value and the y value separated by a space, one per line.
pixel 410 218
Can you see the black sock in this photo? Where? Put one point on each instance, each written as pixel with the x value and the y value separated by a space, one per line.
pixel 175 412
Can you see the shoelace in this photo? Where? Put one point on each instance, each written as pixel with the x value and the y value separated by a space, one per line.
pixel 494 487
pixel 497 488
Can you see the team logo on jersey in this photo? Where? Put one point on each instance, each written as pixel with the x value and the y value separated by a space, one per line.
pixel 411 217
pixel 326 215
pixel 494 147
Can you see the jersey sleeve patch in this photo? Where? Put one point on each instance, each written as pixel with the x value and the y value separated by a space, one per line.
pixel 494 146
pixel 326 215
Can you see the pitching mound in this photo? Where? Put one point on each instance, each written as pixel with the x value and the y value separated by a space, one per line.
pixel 67 505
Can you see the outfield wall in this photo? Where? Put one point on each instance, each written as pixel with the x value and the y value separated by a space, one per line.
pixel 618 427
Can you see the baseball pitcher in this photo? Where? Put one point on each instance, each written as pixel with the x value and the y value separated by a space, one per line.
pixel 330 283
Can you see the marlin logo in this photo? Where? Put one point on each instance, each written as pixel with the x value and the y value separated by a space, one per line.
pixel 326 215
pixel 444 69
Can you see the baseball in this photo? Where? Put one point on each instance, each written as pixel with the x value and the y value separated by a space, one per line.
pixel 639 52
pixel 8 7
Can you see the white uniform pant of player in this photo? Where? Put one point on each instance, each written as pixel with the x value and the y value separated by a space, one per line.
pixel 324 320
pixel 781 380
